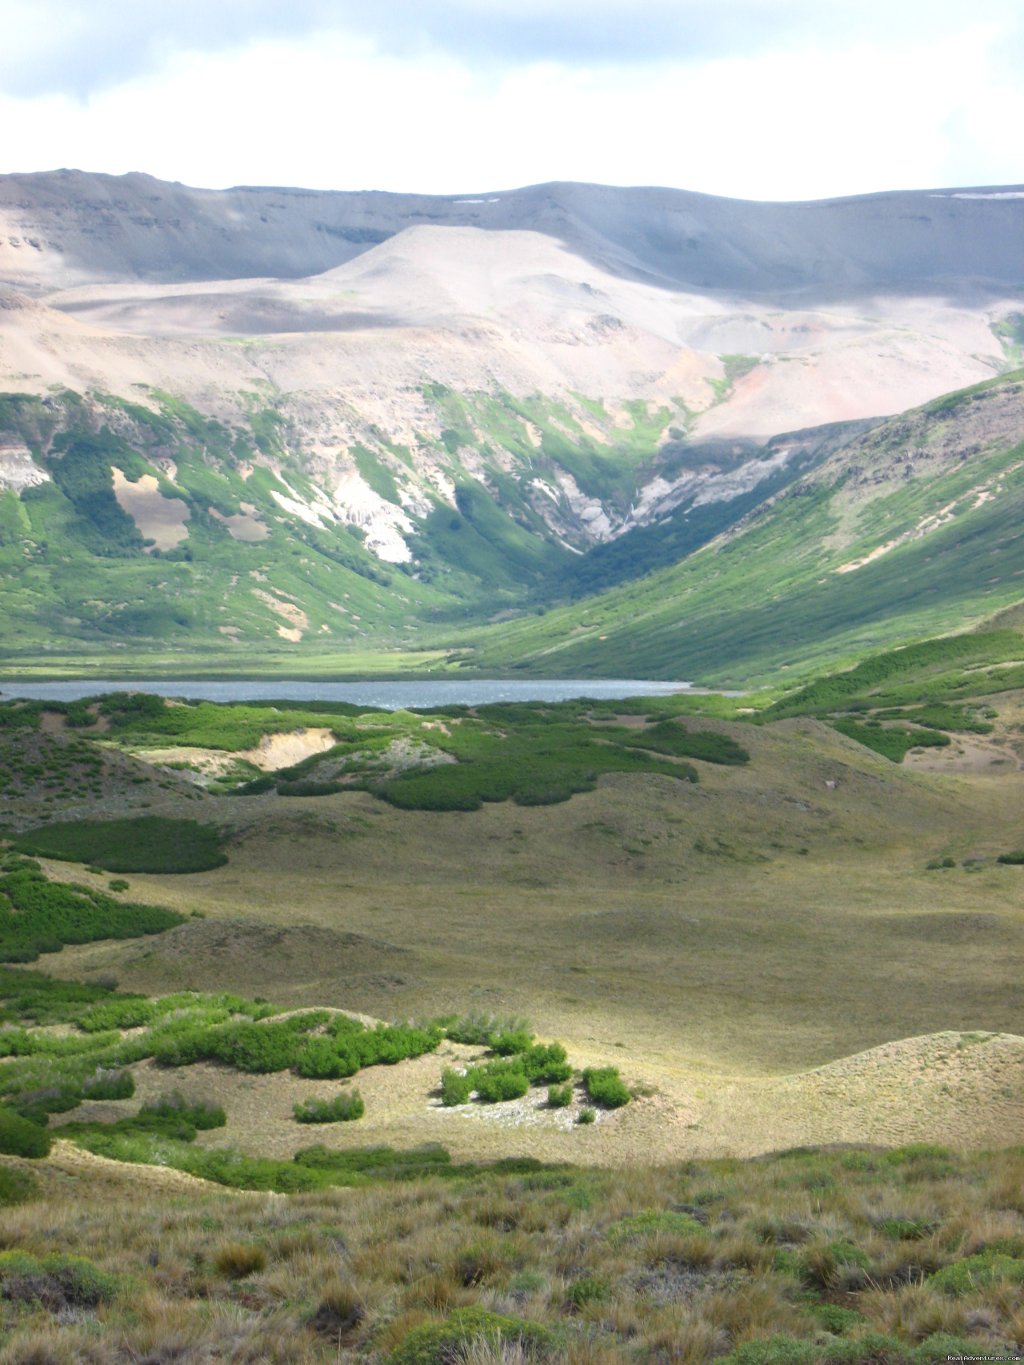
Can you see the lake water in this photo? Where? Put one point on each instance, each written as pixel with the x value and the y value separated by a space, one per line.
pixel 385 696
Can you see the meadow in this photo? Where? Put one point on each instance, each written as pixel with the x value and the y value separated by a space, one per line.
pixel 715 1057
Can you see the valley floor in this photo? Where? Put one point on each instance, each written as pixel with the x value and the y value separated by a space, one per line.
pixel 765 955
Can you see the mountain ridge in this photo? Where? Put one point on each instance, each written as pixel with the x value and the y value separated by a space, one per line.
pixel 476 394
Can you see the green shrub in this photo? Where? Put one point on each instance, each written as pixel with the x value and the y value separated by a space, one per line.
pixel 545 1064
pixel 893 742
pixel 559 1096
pixel 324 1059
pixel 775 1350
pixel 977 1272
pixel 1016 858
pixel 509 1042
pixel 586 1116
pixel 39 916
pixel 477 1030
pixel 653 1223
pixel 439 1343
pixel 342 1109
pixel 672 737
pixel 109 1085
pixel 456 1087
pixel 16 1187
pixel 498 1081
pixel 906 1229
pixel 57 1282
pixel 199 1114
pixel 238 1260
pixel 148 843
pixel 605 1087
pixel 824 1263
pixel 19 1137
pixel 587 1289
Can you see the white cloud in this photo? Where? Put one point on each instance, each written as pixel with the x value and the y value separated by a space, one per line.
pixel 335 110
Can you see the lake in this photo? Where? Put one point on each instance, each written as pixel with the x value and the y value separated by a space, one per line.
pixel 384 696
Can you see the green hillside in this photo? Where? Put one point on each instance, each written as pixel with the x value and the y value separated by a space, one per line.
pixel 858 555
pixel 196 545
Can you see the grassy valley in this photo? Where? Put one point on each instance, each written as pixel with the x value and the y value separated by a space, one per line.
pixel 911 530
pixel 683 1028
pixel 413 1079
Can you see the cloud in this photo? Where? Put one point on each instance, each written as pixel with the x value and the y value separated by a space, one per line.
pixel 350 108
pixel 81 47
pixel 337 114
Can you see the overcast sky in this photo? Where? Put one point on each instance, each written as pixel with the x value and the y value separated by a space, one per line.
pixel 763 99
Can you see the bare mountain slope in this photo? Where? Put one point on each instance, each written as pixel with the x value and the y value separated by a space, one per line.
pixel 64 227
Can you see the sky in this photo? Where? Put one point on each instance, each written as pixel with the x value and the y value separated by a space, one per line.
pixel 758 99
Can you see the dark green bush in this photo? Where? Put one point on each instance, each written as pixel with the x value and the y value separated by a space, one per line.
pixel 559 1096
pixel 437 1343
pixel 456 1088
pixel 477 1030
pixel 199 1114
pixel 893 742
pixel 132 1011
pixel 545 1064
pixel 109 1085
pixel 586 1116
pixel 605 1087
pixel 342 1109
pixel 509 1042
pixel 653 1223
pixel 498 1081
pixel 19 1137
pixel 672 737
pixel 976 1272
pixel 38 915
pixel 587 1289
pixel 1016 858
pixel 16 1187
pixel 57 1282
pixel 325 1059
pixel 148 843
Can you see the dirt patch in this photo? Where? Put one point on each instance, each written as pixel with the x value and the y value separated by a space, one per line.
pixel 244 525
pixel 209 762
pixel 966 755
pixel 298 621
pixel 283 751
pixel 71 1160
pixel 159 519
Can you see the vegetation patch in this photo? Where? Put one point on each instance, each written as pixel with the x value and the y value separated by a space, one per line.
pixel 20 1137
pixel 342 1108
pixel 891 741
pixel 148 843
pixel 605 1087
pixel 55 1282
pixel 39 916
pixel 438 1343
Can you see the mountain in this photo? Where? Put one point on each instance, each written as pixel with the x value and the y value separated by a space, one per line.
pixel 396 416
pixel 913 528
